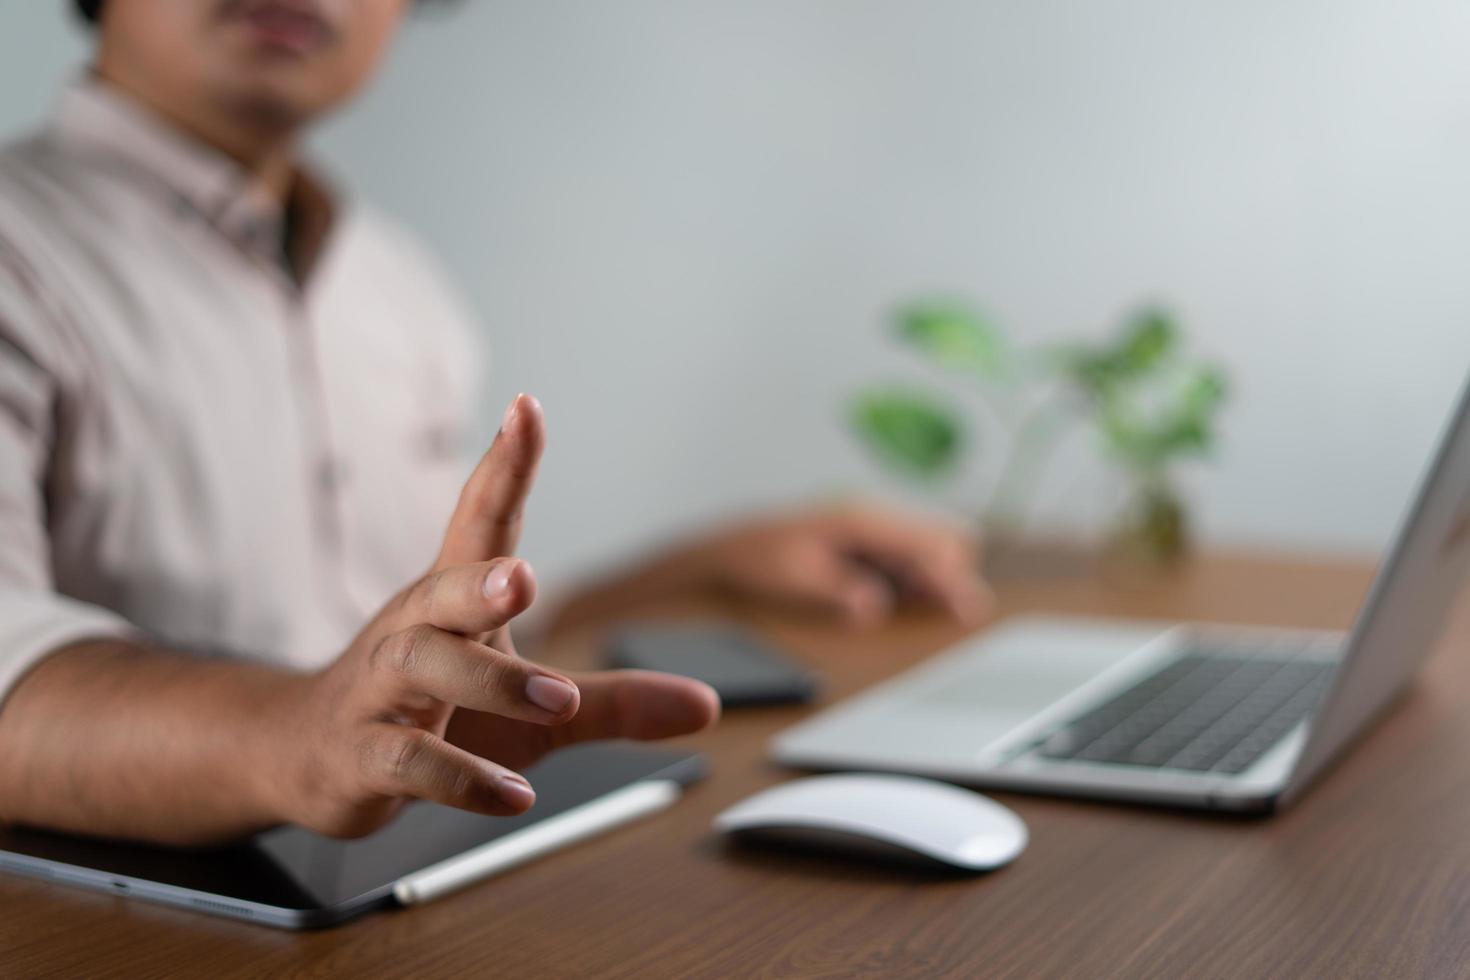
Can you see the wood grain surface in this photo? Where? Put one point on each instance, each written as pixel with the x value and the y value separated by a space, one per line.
pixel 1369 876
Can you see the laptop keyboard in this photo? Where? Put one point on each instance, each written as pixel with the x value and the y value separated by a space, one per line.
pixel 1203 712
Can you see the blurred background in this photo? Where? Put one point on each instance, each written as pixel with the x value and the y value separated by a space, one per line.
pixel 685 224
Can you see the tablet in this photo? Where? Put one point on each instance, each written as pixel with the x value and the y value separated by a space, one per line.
pixel 297 879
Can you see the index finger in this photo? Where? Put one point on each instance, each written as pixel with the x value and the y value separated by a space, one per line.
pixel 487 520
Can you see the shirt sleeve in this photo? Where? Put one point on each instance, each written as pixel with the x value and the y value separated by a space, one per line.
pixel 34 618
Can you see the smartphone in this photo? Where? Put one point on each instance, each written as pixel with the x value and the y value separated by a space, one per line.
pixel 742 668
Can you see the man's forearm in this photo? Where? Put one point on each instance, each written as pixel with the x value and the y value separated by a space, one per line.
pixel 114 739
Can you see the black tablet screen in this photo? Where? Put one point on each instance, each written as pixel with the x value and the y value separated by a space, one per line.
pixel 296 869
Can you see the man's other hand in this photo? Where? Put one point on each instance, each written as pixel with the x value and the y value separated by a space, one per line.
pixel 851 561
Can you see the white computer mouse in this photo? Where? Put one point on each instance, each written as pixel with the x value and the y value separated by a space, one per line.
pixel 900 816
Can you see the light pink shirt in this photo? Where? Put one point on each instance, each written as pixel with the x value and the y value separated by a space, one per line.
pixel 192 446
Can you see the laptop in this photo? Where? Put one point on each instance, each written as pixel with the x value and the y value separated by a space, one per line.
pixel 1191 715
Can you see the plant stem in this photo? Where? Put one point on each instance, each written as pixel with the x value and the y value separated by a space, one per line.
pixel 1032 443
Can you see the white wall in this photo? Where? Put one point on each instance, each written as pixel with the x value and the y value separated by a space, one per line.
pixel 683 219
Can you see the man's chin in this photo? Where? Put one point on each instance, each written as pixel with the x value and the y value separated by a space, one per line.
pixel 273 105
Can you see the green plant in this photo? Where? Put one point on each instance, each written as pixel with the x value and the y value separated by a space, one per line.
pixel 1149 405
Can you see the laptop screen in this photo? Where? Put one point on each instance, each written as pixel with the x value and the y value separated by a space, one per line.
pixel 1404 615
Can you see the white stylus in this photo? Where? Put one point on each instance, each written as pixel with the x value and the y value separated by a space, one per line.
pixel 580 822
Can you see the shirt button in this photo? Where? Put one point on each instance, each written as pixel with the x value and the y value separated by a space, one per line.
pixel 331 475
pixel 441 441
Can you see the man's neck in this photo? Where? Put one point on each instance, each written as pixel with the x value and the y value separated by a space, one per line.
pixel 269 157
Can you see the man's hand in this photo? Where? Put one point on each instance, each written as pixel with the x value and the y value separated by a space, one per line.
pixel 851 561
pixel 370 731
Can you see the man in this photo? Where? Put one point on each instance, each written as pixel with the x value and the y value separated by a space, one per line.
pixel 229 401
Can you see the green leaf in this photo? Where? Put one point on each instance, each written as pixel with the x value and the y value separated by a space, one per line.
pixel 1149 337
pixel 1190 430
pixel 1203 392
pixel 908 430
pixel 954 335
pixel 1091 372
pixel 1183 434
pixel 1182 426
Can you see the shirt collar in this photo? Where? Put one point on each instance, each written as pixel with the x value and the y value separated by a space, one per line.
pixel 104 121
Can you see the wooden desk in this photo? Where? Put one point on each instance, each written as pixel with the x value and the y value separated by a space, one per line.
pixel 1368 877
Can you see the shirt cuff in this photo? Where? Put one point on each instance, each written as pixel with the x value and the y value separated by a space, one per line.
pixel 33 625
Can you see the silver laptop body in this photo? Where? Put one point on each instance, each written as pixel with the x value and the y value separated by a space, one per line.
pixel 1230 718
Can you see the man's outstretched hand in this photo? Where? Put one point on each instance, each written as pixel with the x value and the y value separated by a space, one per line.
pixel 430 700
